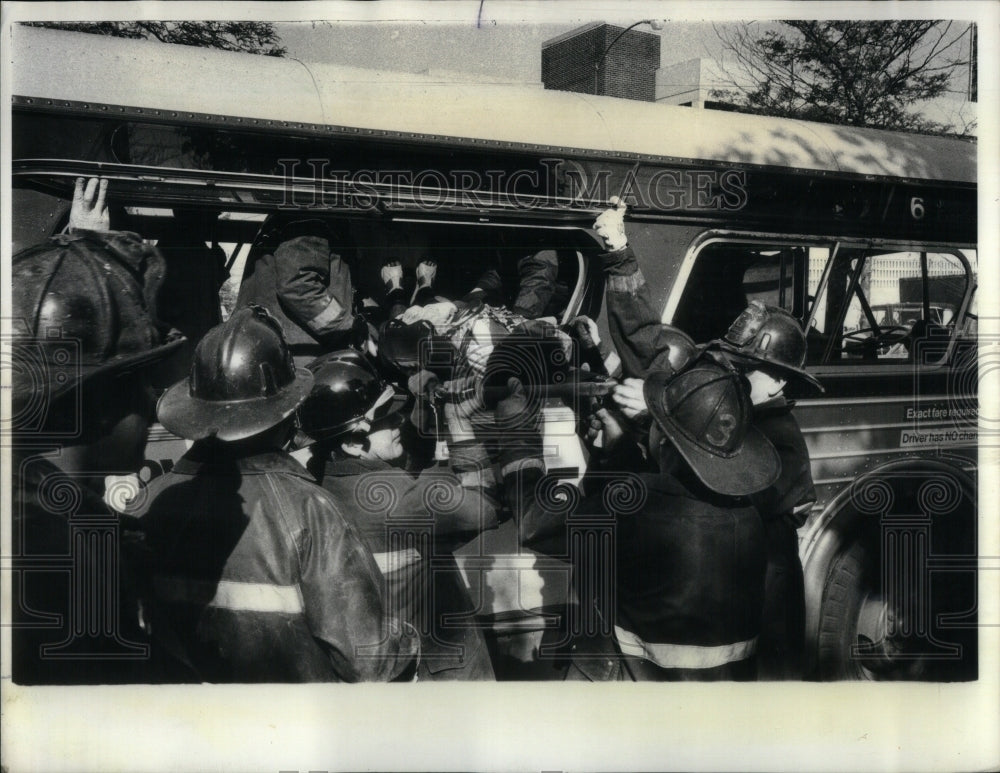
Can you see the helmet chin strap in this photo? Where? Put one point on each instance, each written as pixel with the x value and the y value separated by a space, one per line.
pixel 292 430
pixel 357 449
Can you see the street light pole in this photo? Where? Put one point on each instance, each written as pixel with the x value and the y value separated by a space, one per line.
pixel 656 24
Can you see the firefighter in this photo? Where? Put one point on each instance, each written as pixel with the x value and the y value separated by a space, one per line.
pixel 85 338
pixel 255 574
pixel 296 273
pixel 411 524
pixel 686 574
pixel 767 345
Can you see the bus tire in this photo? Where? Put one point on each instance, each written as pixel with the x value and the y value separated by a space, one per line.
pixel 840 605
pixel 869 621
pixel 851 619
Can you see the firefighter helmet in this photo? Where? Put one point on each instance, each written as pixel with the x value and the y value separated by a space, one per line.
pixel 84 305
pixel 348 395
pixel 768 337
pixel 242 381
pixel 677 349
pixel 705 411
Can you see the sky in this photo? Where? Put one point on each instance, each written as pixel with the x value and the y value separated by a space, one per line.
pixel 510 50
pixel 485 38
pixel 503 40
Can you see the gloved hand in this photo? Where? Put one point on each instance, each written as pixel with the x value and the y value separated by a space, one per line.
pixel 610 225
pixel 586 331
pixel 590 427
pixel 422 384
pixel 606 425
pixel 515 412
pixel 89 211
pixel 593 357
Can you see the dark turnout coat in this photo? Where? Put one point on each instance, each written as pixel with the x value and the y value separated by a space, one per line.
pixel 677 592
pixel 690 581
pixel 794 489
pixel 412 525
pixel 784 506
pixel 257 577
pixel 65 539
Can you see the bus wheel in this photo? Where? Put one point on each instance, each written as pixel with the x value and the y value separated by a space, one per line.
pixel 853 641
pixel 872 628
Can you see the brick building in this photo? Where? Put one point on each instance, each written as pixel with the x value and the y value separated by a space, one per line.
pixel 573 62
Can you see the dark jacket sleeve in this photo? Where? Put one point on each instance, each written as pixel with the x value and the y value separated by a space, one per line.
pixel 793 491
pixel 530 495
pixel 544 506
pixel 625 456
pixel 342 591
pixel 313 283
pixel 461 497
pixel 636 329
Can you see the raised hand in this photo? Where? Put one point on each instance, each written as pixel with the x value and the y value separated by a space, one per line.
pixel 610 225
pixel 89 211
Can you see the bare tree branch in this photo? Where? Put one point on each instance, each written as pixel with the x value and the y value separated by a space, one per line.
pixel 863 73
pixel 248 37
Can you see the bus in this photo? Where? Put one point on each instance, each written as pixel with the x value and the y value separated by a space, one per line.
pixel 838 225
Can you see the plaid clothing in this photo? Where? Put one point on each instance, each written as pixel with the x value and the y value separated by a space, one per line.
pixel 477 332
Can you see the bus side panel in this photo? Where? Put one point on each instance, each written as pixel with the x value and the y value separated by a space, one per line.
pixel 889 552
pixel 854 436
pixel 35 217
